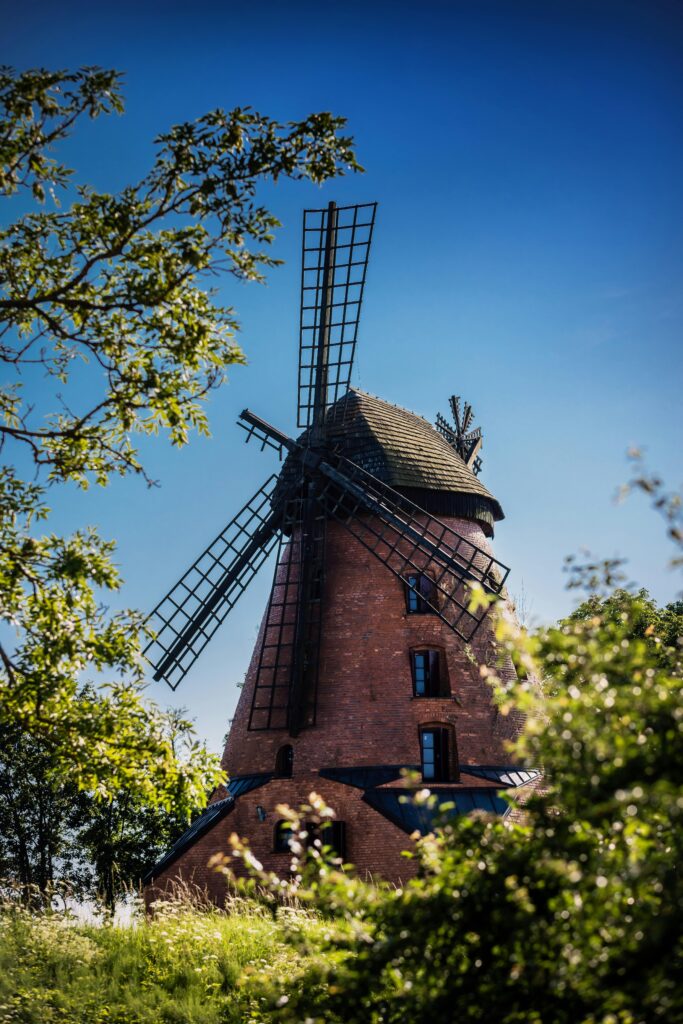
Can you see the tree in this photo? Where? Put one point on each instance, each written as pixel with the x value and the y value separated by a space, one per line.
pixel 54 835
pixel 572 916
pixel 660 628
pixel 38 811
pixel 108 296
pixel 122 837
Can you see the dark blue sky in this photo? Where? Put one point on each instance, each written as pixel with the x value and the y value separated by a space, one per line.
pixel 527 158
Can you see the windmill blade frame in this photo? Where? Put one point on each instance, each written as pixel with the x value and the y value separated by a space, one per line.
pixel 190 613
pixel 335 251
pixel 413 545
pixel 409 541
pixel 364 492
pixel 286 677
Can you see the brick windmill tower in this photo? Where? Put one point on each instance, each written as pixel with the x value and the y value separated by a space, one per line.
pixel 367 660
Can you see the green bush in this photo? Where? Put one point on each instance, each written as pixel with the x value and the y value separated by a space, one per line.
pixel 569 918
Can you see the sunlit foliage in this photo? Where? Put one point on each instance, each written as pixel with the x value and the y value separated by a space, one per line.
pixel 570 915
pixel 109 329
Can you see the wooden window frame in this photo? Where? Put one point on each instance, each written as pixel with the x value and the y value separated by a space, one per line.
pixel 279 846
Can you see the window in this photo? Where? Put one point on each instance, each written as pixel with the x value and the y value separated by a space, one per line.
pixel 284 762
pixel 435 752
pixel 334 835
pixel 425 590
pixel 282 836
pixel 428 679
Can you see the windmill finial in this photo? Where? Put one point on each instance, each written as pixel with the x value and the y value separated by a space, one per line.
pixel 465 441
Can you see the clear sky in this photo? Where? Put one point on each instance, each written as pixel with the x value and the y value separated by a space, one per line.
pixel 527 159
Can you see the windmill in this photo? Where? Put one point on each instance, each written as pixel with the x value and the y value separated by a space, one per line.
pixel 318 484
pixel 367 661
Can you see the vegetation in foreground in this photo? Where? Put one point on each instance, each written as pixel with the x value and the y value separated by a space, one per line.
pixel 572 917
pixel 182 965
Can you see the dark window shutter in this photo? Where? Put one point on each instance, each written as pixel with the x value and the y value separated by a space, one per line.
pixel 434 679
pixel 426 586
pixel 283 834
pixel 335 836
pixel 441 754
pixel 284 762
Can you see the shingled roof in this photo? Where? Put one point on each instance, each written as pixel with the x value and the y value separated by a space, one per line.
pixel 405 451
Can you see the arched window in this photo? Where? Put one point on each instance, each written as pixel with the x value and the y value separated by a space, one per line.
pixel 420 591
pixel 284 762
pixel 282 835
pixel 438 753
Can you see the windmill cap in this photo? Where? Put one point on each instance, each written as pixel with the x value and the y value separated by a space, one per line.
pixel 405 451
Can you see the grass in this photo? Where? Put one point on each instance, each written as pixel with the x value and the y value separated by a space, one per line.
pixel 182 965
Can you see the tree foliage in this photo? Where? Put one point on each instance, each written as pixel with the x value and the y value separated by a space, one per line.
pixel 106 296
pixel 571 916
pixel 119 282
pixel 57 837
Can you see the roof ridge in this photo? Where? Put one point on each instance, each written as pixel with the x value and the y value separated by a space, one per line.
pixel 394 405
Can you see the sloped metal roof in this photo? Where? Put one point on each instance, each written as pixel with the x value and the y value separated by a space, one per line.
pixel 506 775
pixel 237 786
pixel 400 807
pixel 367 777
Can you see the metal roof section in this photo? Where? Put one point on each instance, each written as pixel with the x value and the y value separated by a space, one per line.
pixel 503 775
pixel 399 807
pixel 368 776
pixel 396 804
pixel 373 776
pixel 241 784
pixel 199 827
pixel 214 813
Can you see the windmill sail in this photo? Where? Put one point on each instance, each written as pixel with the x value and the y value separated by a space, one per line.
pixel 435 562
pixel 285 687
pixel 413 544
pixel 432 559
pixel 187 617
pixel 336 248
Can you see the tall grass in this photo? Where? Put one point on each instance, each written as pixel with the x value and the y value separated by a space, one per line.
pixel 183 964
